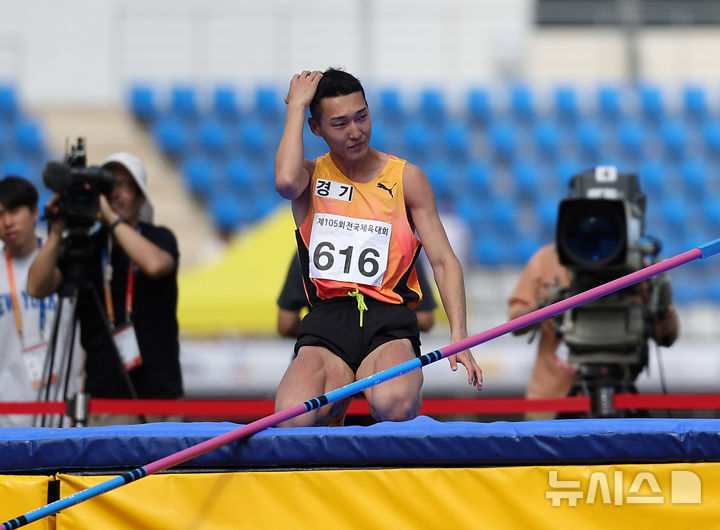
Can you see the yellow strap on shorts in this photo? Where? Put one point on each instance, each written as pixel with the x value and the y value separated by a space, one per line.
pixel 360 303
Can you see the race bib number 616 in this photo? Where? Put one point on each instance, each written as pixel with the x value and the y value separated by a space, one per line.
pixel 348 249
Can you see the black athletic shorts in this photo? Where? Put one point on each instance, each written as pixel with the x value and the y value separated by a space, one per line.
pixel 335 325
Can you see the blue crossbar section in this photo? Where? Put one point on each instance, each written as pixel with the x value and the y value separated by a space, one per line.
pixel 422 440
pixel 710 249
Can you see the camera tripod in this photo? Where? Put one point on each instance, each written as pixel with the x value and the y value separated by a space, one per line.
pixel 76 282
pixel 600 382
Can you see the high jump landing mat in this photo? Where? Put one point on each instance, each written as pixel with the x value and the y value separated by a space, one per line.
pixel 628 473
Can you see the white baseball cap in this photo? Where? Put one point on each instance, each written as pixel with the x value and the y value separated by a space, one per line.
pixel 136 168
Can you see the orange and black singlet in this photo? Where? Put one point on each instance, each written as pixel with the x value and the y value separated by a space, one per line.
pixel 358 236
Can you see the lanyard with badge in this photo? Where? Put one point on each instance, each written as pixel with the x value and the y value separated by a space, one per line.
pixel 33 355
pixel 123 334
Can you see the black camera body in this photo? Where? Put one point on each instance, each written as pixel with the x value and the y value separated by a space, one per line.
pixel 600 237
pixel 79 186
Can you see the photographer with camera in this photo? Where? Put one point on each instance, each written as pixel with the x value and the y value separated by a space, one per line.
pixel 26 323
pixel 132 266
pixel 598 238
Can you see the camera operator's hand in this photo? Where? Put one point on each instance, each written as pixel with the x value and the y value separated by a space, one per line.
pixel 56 222
pixel 106 215
pixel 44 276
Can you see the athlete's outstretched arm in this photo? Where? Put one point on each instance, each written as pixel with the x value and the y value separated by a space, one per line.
pixel 420 201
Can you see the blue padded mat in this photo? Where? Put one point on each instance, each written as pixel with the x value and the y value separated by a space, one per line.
pixel 421 442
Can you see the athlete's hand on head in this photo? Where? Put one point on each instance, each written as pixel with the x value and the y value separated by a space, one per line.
pixel 302 88
pixel 466 358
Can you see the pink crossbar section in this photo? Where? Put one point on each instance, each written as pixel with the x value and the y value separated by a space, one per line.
pixel 224 439
pixel 569 303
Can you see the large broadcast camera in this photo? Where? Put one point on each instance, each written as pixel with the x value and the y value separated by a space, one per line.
pixel 79 186
pixel 600 237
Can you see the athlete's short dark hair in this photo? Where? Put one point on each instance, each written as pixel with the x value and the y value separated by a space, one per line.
pixel 334 83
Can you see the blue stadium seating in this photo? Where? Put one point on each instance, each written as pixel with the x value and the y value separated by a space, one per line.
pixel 632 137
pixel 674 137
pixel 547 138
pixel 651 102
pixel 432 106
pixel 214 137
pixel 456 140
pixel 225 104
pixel 522 102
pixel 503 139
pixel 695 102
pixel 479 106
pixel 609 103
pixel 142 102
pixel 566 104
pixel 391 106
pixel 171 136
pixel 183 102
pixel 502 168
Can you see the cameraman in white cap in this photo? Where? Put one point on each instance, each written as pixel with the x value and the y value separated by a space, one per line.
pixel 133 265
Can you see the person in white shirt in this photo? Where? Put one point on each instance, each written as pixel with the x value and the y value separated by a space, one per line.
pixel 26 323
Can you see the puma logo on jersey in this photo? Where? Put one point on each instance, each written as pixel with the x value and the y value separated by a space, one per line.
pixel 384 187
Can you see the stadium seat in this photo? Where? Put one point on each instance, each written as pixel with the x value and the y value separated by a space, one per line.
pixel 564 171
pixel 695 102
pixel 521 102
pixel 711 137
pixel 142 103
pixel 239 174
pixel 263 204
pixel 391 105
pixel 547 138
pixel 674 210
pixel 503 139
pixel 432 106
pixel 694 173
pixel 525 178
pixel 15 165
pixel 316 146
pixel 268 103
pixel 438 173
pixel 711 212
pixel 379 139
pixel 225 104
pixel 456 140
pixel 504 215
pixel 588 136
pixel 478 177
pixel 213 137
pixel 609 102
pixel 546 211
pixel 253 138
pixel 632 137
pixel 198 172
pixel 226 213
pixel 183 102
pixel 674 137
pixel 417 138
pixel 170 135
pixel 525 247
pixel 492 250
pixel 29 137
pixel 651 178
pixel 651 102
pixel 479 105
pixel 566 104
